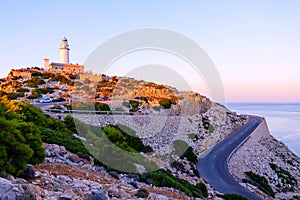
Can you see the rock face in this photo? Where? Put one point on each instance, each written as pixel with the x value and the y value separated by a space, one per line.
pixel 159 131
pixel 258 154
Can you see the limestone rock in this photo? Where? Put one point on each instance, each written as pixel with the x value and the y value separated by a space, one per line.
pixel 5 186
pixel 98 195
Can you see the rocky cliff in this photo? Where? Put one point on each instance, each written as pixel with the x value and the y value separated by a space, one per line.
pixel 263 155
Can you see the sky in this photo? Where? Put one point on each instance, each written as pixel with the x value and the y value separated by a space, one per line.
pixel 254 45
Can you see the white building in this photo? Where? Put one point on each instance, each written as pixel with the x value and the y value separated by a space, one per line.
pixel 63 66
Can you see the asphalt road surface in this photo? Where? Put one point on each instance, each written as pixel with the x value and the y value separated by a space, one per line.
pixel 213 167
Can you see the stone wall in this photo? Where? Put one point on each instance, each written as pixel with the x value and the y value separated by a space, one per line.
pixel 262 131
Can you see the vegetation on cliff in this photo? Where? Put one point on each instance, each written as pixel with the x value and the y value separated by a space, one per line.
pixel 286 177
pixel 261 182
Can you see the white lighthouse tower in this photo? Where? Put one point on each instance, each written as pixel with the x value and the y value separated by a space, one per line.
pixel 64 51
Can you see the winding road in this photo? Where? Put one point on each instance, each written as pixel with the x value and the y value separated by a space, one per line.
pixel 213 167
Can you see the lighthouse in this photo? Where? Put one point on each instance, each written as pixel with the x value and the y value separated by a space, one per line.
pixel 64 66
pixel 64 51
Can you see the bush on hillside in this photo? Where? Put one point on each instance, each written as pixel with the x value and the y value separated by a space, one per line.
pixel 202 187
pixel 20 140
pixel 34 82
pixel 134 105
pixel 262 181
pixel 142 193
pixel 33 74
pixel 165 103
pixel 233 197
pixel 286 177
pixel 47 75
pixel 163 178
pixel 62 79
pixel 101 106
pixel 184 151
pixel 12 96
pixel 15 153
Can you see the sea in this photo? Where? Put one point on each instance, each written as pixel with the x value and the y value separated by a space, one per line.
pixel 283 120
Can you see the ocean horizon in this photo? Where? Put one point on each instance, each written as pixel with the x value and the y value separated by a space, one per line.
pixel 283 120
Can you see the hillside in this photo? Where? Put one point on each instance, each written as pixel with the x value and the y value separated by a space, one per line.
pixel 162 127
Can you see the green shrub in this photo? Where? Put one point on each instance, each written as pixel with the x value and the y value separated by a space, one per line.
pixel 163 178
pixel 134 105
pixel 190 155
pixel 22 90
pixel 12 96
pixel 178 166
pixel 38 92
pixel 132 139
pixel 70 124
pixel 142 193
pixel 63 138
pixel 202 187
pixel 284 175
pixel 34 82
pixel 47 75
pixel 101 107
pixel 33 74
pixel 234 197
pixel 36 96
pixel 290 162
pixel 184 151
pixel 165 103
pixel 206 124
pixel 15 153
pixel 2 93
pixel 32 137
pixel 62 79
pixel 20 140
pixel 262 181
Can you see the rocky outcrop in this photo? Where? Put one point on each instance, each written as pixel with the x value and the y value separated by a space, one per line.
pixel 259 154
pixel 12 188
pixel 66 176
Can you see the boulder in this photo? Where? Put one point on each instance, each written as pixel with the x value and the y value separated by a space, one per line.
pixel 66 196
pixel 134 184
pixel 28 173
pixel 5 186
pixel 114 174
pixel 98 195
pixel 19 192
